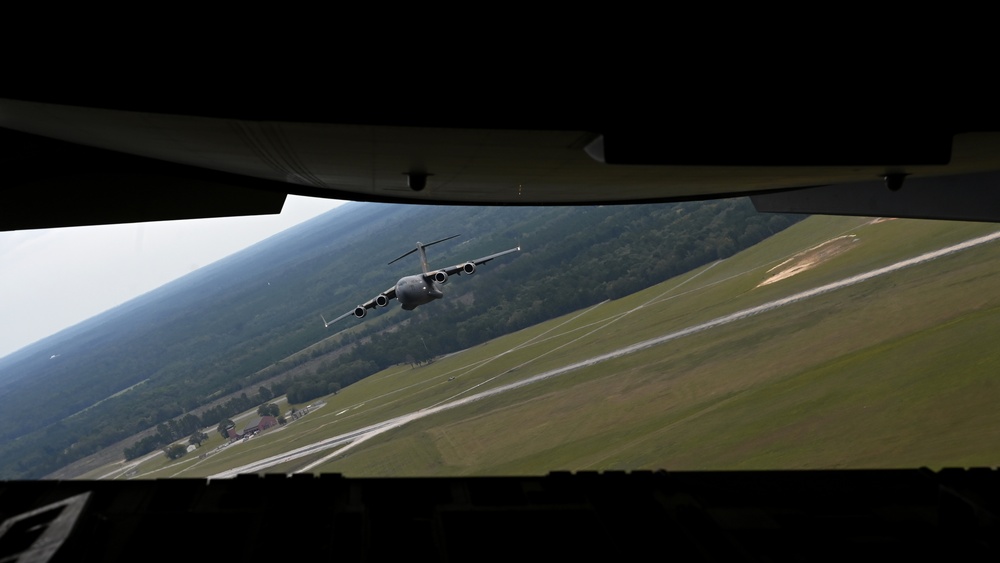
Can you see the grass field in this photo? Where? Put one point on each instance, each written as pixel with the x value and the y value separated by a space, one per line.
pixel 896 371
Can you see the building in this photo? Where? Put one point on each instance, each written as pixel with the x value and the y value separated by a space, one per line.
pixel 258 424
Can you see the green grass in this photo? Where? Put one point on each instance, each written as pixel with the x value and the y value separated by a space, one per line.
pixel 893 372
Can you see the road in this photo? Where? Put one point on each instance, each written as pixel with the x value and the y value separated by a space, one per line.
pixel 344 442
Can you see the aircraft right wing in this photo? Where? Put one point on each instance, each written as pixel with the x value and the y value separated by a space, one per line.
pixel 76 158
pixel 470 266
pixel 361 310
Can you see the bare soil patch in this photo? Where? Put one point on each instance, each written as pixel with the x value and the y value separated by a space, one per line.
pixel 809 258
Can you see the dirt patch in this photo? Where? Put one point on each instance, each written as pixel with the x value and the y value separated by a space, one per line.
pixel 809 258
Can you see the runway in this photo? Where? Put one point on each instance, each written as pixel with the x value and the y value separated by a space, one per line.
pixel 341 444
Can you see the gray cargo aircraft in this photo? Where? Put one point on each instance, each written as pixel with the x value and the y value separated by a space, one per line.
pixel 413 291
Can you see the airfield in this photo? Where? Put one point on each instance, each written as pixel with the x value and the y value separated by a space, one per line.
pixel 838 343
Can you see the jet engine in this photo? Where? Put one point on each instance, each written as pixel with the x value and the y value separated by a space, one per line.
pixel 468 268
pixel 439 276
pixel 381 300
pixel 360 312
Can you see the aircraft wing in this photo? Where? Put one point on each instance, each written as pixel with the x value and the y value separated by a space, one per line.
pixel 372 303
pixel 459 268
pixel 90 160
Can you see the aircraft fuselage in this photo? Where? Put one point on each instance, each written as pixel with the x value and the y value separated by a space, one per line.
pixel 416 290
pixel 413 291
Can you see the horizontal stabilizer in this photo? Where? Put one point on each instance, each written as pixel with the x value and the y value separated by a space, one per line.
pixel 419 245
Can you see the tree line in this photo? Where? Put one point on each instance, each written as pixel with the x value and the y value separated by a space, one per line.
pixel 233 325
pixel 190 425
pixel 576 262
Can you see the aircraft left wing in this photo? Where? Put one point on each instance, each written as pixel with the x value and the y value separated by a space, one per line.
pixel 380 300
pixel 470 266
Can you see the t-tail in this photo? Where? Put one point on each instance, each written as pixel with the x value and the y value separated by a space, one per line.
pixel 423 255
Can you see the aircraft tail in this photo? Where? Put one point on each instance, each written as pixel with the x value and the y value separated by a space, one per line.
pixel 423 255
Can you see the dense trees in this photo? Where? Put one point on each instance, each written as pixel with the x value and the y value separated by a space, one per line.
pixel 231 327
pixel 224 426
pixel 269 409
pixel 578 258
pixel 197 438
pixel 175 451
pixel 264 394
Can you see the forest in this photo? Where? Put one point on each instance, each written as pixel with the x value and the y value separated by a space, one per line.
pixel 227 336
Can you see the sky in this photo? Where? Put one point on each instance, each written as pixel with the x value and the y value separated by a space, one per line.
pixel 51 279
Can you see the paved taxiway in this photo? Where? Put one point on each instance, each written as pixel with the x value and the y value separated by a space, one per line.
pixel 342 443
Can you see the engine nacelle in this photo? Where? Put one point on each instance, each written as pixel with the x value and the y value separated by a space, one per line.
pixel 468 268
pixel 381 300
pixel 360 312
pixel 439 277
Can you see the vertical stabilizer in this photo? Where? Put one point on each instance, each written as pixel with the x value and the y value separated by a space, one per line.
pixel 423 257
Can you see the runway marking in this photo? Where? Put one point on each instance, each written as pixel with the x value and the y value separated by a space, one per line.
pixel 347 441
